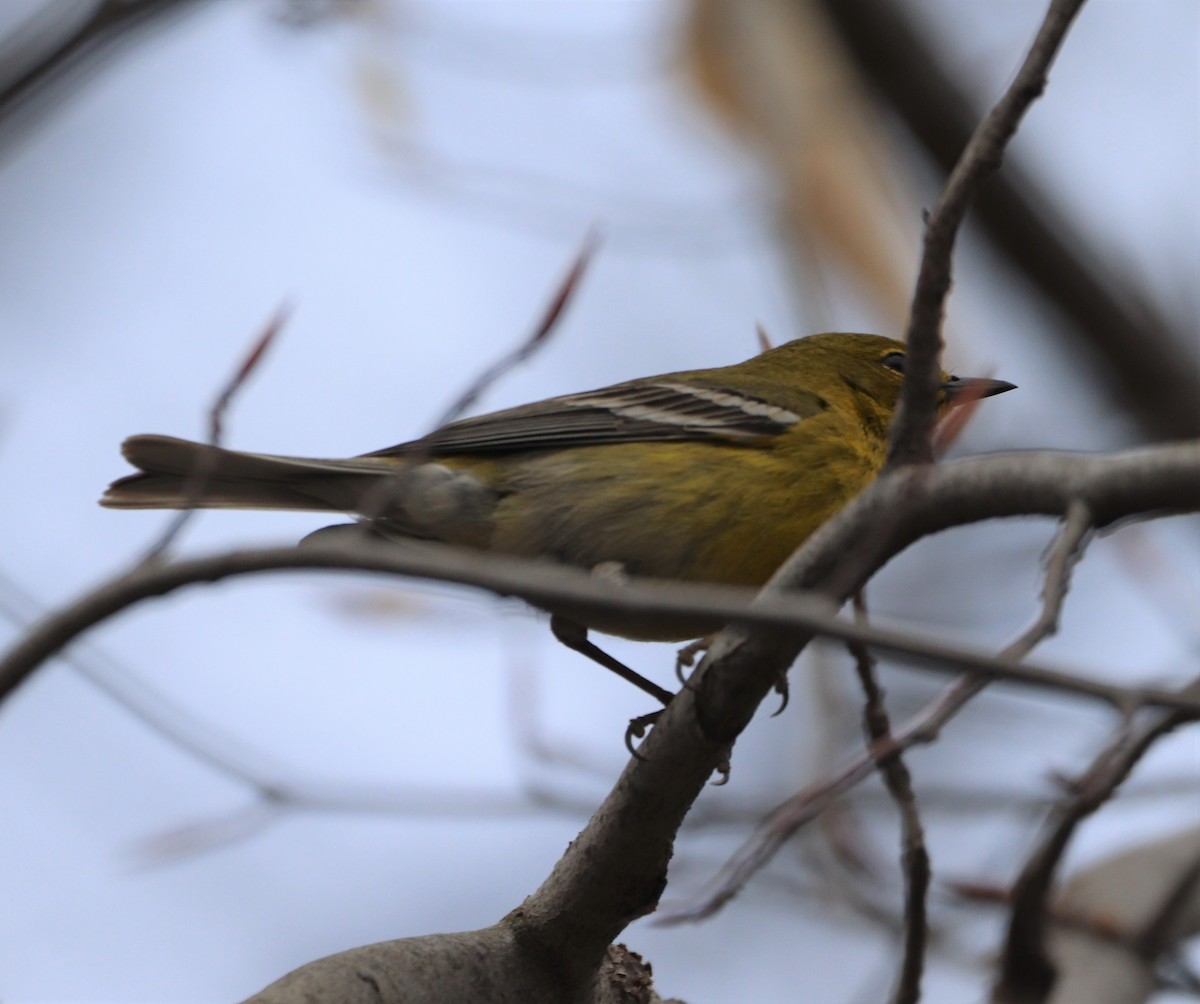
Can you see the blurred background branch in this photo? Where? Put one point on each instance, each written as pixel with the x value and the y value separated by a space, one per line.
pixel 59 47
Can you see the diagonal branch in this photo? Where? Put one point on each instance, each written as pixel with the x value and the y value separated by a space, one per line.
pixel 923 728
pixel 199 477
pixel 50 51
pixel 1027 974
pixel 376 500
pixel 913 428
pixel 540 334
pixel 1112 320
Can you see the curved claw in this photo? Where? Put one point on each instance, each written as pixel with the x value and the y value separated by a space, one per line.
pixel 637 729
pixel 784 692
pixel 724 768
pixel 686 656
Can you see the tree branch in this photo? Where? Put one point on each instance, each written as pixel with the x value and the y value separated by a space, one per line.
pixel 923 728
pixel 912 430
pixel 1127 485
pixel 914 855
pixel 1112 323
pixel 1027 973
pixel 49 50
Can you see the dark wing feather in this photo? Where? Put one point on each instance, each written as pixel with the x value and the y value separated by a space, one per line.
pixel 655 411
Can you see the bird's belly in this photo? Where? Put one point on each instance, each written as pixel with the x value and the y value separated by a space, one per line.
pixel 646 511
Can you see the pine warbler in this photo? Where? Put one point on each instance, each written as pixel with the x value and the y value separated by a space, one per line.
pixel 704 476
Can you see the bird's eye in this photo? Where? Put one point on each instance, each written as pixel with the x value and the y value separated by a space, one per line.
pixel 894 361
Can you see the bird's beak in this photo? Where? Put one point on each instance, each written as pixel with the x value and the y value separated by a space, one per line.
pixel 957 390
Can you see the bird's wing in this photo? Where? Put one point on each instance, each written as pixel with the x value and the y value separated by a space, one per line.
pixel 640 411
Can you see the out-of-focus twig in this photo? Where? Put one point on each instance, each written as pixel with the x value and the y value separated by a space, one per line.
pixel 541 332
pixel 1116 927
pixel 55 49
pixel 375 500
pixel 199 477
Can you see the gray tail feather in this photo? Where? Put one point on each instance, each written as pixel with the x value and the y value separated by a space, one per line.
pixel 174 470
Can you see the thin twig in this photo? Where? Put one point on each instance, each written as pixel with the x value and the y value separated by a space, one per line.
pixel 543 584
pixel 914 855
pixel 374 501
pixel 541 332
pixel 1111 320
pixel 1096 925
pixel 1061 558
pixel 1027 974
pixel 200 475
pixel 912 429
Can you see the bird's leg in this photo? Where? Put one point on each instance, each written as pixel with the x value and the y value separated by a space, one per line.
pixel 574 636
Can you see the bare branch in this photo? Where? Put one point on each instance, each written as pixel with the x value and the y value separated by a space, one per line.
pixel 50 50
pixel 914 856
pixel 1165 478
pixel 1064 554
pixel 1111 319
pixel 1027 974
pixel 806 805
pixel 912 429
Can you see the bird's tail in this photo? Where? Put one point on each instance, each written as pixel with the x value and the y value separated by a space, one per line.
pixel 177 473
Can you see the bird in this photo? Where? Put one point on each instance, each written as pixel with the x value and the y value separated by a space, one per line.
pixel 710 475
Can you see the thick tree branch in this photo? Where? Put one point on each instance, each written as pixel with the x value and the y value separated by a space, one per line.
pixel 923 728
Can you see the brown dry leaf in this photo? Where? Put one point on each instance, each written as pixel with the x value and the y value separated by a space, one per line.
pixel 376 69
pixel 776 72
